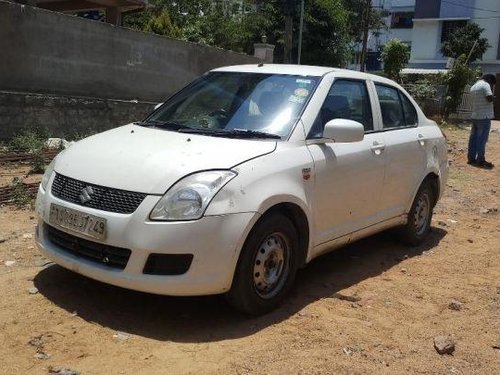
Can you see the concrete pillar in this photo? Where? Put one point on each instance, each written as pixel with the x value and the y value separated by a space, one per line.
pixel 264 51
pixel 114 16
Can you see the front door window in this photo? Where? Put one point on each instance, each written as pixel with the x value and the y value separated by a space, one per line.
pixel 347 99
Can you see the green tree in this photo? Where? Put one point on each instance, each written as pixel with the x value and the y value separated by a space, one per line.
pixel 219 23
pixel 163 25
pixel 395 56
pixel 364 19
pixel 462 40
pixel 456 79
pixel 237 26
pixel 326 36
pixel 326 33
pixel 356 23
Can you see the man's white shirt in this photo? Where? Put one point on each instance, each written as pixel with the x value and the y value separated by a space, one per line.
pixel 481 107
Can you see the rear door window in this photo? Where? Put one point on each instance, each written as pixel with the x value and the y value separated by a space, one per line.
pixel 409 111
pixel 397 110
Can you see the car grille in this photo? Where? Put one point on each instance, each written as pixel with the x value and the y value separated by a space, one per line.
pixel 100 197
pixel 115 257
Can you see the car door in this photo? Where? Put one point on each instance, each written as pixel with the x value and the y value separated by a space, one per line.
pixel 404 147
pixel 348 176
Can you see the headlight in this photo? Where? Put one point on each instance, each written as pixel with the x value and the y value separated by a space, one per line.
pixel 47 174
pixel 189 198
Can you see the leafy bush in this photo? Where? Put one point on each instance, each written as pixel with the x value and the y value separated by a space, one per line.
pixel 27 141
pixel 421 90
pixel 395 56
pixel 21 196
pixel 456 79
pixel 31 141
pixel 162 24
pixel 434 79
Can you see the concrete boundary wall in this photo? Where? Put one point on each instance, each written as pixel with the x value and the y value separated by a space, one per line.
pixel 54 53
pixel 64 116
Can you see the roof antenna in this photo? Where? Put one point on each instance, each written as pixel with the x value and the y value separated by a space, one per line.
pixel 261 64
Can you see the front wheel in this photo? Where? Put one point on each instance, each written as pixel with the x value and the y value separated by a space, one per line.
pixel 419 217
pixel 267 266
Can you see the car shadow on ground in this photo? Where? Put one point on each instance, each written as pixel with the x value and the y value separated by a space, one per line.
pixel 207 319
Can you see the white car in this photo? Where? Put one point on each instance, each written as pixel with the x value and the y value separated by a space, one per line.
pixel 241 178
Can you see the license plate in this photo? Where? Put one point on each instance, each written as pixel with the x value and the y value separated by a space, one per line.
pixel 77 221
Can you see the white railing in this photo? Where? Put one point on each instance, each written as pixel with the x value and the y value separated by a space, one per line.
pixel 465 108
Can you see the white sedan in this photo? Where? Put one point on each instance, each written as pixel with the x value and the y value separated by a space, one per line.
pixel 241 178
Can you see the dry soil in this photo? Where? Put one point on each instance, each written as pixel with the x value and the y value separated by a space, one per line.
pixel 400 302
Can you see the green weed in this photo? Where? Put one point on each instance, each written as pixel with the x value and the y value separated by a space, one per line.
pixel 21 196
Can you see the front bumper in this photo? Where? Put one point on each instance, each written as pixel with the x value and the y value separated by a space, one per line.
pixel 214 241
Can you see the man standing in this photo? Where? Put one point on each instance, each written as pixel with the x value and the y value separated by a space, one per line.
pixel 482 113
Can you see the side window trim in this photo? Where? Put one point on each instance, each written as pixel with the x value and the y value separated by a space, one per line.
pixel 376 113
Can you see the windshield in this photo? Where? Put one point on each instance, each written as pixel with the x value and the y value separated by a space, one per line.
pixel 229 104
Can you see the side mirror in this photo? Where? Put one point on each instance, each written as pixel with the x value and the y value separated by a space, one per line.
pixel 158 106
pixel 342 131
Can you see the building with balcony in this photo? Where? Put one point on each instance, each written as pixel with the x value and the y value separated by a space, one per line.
pixel 435 20
pixel 398 18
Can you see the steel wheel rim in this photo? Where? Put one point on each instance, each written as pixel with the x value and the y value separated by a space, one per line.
pixel 271 265
pixel 421 214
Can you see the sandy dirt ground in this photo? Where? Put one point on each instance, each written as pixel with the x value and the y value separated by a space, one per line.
pixel 22 171
pixel 400 302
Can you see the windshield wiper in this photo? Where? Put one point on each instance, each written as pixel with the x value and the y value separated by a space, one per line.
pixel 253 133
pixel 232 133
pixel 170 125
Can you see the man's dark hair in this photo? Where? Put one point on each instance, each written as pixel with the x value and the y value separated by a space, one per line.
pixel 490 78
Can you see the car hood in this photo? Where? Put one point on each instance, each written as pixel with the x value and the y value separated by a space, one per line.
pixel 150 160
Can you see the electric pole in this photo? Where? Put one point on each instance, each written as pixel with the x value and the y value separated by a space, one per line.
pixel 366 29
pixel 300 30
pixel 289 7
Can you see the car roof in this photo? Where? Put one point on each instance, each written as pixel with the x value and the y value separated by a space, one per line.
pixel 307 70
pixel 301 70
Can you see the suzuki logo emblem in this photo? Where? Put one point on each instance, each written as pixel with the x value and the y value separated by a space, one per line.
pixel 86 194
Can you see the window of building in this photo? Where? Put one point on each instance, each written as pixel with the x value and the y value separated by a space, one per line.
pixel 402 20
pixel 448 27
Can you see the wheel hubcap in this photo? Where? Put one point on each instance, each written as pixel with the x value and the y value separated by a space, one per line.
pixel 271 266
pixel 421 215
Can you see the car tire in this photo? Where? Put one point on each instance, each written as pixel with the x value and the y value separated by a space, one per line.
pixel 267 266
pixel 419 217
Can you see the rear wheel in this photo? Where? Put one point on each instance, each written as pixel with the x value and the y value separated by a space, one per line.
pixel 267 266
pixel 419 217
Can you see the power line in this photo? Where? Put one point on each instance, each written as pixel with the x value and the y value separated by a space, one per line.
pixel 469 7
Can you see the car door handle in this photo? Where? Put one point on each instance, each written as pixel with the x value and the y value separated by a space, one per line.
pixel 421 139
pixel 377 148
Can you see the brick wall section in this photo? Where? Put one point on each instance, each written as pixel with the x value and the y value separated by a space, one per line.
pixel 64 116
